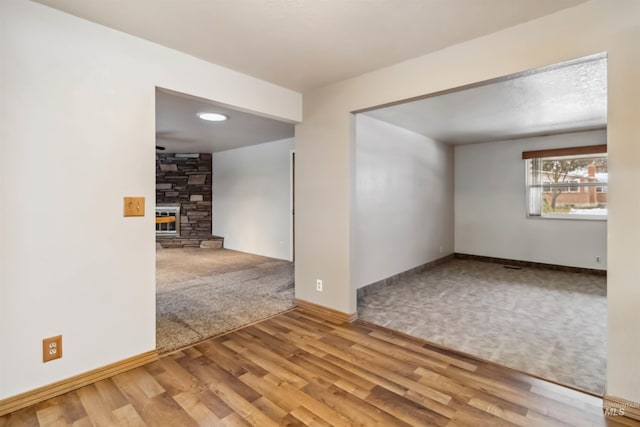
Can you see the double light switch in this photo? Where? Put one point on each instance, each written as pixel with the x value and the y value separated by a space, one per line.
pixel 134 206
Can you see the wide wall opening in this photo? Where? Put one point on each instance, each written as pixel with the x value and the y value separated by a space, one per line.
pixel 481 220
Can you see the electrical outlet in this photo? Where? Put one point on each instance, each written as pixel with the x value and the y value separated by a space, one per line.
pixel 597 260
pixel 51 348
pixel 319 285
pixel 441 249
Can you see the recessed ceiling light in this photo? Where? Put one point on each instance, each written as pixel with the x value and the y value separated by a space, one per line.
pixel 213 117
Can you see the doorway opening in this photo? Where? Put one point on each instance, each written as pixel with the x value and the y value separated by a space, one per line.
pixel 223 214
pixel 443 205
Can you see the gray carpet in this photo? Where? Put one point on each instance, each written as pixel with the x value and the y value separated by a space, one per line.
pixel 205 292
pixel 550 324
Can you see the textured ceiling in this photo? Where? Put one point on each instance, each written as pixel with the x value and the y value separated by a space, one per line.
pixel 564 98
pixel 302 44
pixel 179 129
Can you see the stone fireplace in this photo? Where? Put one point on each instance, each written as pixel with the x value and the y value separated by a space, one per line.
pixel 183 199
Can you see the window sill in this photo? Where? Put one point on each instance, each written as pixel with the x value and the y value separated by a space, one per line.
pixel 571 217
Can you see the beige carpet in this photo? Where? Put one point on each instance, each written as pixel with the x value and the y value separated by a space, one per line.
pixel 205 292
pixel 547 323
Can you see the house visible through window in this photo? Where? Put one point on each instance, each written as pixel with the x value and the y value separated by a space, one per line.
pixel 567 183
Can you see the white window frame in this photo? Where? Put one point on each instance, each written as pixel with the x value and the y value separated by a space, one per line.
pixel 534 192
pixel 574 186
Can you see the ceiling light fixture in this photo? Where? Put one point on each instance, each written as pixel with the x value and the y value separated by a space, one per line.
pixel 213 117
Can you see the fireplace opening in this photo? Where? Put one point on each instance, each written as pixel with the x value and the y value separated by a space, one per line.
pixel 168 220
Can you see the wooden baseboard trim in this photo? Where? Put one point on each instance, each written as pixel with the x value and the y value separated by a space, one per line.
pixel 618 407
pixel 374 287
pixel 40 394
pixel 530 264
pixel 326 312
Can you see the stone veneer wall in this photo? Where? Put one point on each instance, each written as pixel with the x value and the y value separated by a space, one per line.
pixel 186 179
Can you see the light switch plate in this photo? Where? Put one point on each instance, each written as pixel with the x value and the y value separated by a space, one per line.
pixel 134 206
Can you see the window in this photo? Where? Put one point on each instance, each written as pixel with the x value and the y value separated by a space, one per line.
pixel 574 186
pixel 567 183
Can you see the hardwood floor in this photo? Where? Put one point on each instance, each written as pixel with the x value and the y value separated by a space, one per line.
pixel 298 369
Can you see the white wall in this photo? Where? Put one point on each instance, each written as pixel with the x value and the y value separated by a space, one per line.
pixel 490 213
pixel 403 200
pixel 252 198
pixel 78 132
pixel 70 88
pixel 325 152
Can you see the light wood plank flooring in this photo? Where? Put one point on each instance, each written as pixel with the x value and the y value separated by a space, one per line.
pixel 298 369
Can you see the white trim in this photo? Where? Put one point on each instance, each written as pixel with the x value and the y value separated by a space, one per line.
pixel 291 205
pixel 570 216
